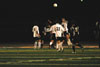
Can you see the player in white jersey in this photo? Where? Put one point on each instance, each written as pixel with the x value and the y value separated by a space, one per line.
pixel 74 30
pixel 65 24
pixel 58 33
pixel 66 33
pixel 59 30
pixel 36 36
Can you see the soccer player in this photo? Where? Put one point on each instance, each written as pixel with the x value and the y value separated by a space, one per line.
pixel 66 33
pixel 74 30
pixel 65 25
pixel 47 30
pixel 58 34
pixel 36 36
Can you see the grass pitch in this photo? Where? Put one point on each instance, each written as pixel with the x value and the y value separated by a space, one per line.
pixel 29 57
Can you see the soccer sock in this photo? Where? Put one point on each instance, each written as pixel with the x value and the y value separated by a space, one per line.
pixel 51 43
pixel 56 46
pixel 39 44
pixel 62 48
pixel 35 44
pixel 73 47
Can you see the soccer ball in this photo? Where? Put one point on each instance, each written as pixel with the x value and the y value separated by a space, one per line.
pixel 55 5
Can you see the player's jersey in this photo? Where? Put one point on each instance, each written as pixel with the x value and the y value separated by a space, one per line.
pixel 77 29
pixel 53 28
pixel 59 30
pixel 74 30
pixel 35 31
pixel 65 25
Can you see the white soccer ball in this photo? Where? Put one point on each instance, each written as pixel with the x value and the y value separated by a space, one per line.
pixel 55 5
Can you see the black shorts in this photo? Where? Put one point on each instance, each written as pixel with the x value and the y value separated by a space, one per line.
pixel 59 38
pixel 52 37
pixel 36 38
pixel 75 39
pixel 65 33
pixel 48 35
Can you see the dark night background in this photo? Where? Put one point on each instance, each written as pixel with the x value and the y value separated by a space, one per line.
pixel 18 17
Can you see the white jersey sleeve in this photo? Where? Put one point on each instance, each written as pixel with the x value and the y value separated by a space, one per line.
pixel 53 28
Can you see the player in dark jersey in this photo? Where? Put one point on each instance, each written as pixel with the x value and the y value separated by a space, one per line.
pixel 74 31
pixel 47 30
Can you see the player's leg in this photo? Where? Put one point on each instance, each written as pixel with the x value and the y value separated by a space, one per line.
pixel 39 43
pixel 51 43
pixel 61 47
pixel 58 45
pixel 69 40
pixel 53 38
pixel 35 42
pixel 62 41
pixel 42 42
pixel 69 43
pixel 57 42
pixel 78 44
pixel 73 48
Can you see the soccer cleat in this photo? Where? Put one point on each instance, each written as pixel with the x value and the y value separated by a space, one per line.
pixel 74 52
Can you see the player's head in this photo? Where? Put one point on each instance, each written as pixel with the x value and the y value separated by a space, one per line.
pixel 97 23
pixel 73 25
pixel 63 19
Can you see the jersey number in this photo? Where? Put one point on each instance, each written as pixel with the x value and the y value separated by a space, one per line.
pixel 58 28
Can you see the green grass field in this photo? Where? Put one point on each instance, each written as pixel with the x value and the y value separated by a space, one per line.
pixel 29 57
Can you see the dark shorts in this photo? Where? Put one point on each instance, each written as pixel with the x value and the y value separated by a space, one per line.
pixel 36 38
pixel 65 33
pixel 59 38
pixel 75 40
pixel 48 35
pixel 52 37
